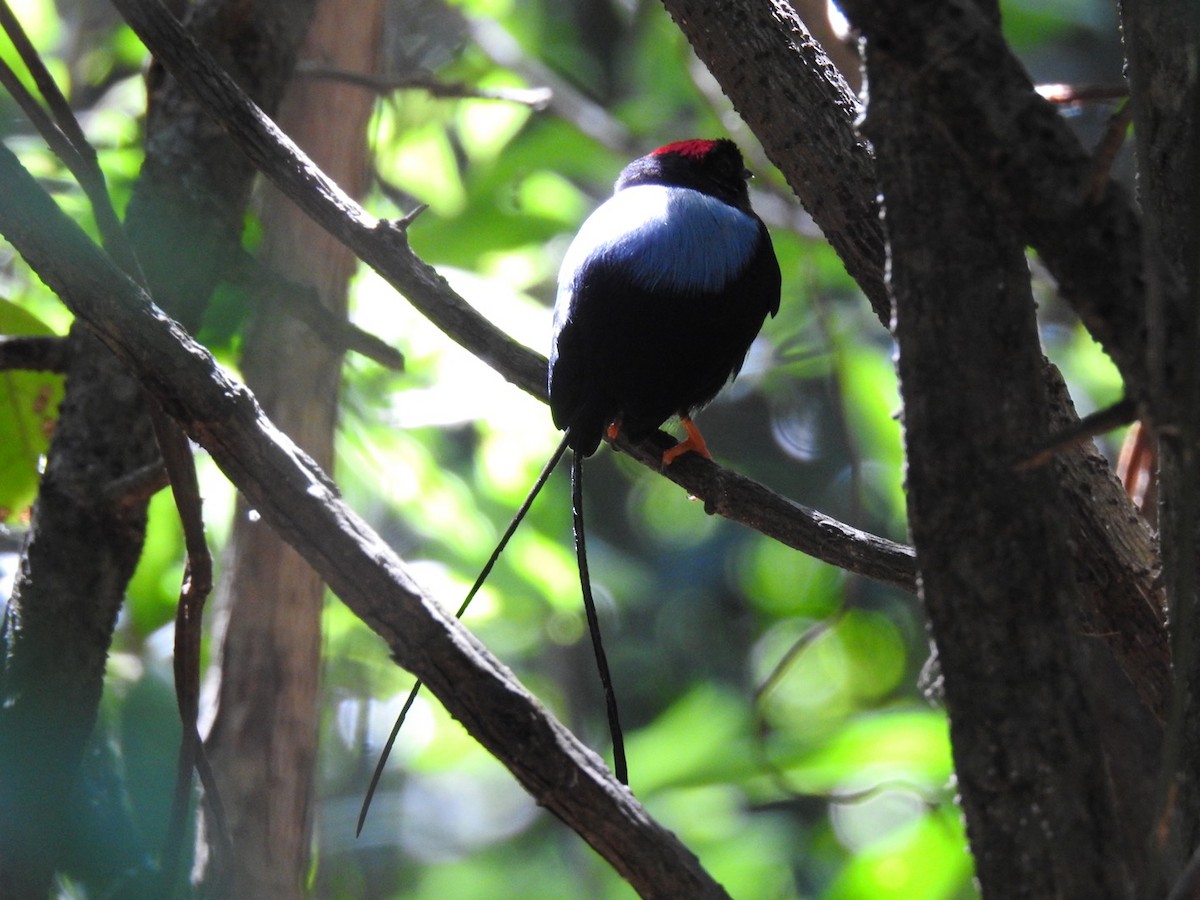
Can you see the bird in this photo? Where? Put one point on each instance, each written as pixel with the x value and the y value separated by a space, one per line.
pixel 660 295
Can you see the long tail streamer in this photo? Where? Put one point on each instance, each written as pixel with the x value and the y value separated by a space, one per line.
pixel 620 768
pixel 483 574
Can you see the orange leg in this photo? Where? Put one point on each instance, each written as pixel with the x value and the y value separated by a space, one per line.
pixel 693 441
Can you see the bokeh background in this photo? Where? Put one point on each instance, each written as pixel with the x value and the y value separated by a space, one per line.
pixel 776 714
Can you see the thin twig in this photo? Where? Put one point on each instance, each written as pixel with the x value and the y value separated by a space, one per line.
pixel 798 646
pixel 1106 151
pixel 1100 422
pixel 409 217
pixel 1071 94
pixel 535 98
pixel 137 487
pixel 301 301
pixel 197 583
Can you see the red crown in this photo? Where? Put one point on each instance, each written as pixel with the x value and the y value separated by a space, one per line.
pixel 695 149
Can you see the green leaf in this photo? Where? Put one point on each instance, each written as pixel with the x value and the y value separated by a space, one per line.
pixel 28 409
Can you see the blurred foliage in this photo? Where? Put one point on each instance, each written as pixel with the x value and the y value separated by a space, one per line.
pixel 774 719
pixel 28 409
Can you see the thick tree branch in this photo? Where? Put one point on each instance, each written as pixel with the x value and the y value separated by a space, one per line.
pixel 992 546
pixel 386 250
pixel 302 504
pixel 1021 155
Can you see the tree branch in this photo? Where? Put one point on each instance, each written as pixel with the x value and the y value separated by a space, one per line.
pixel 740 499
pixel 304 303
pixel 1160 47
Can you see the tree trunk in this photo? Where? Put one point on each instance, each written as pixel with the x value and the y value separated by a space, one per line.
pixel 263 741
pixel 1160 41
pixel 992 550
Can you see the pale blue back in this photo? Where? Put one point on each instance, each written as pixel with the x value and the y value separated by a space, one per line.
pixel 684 241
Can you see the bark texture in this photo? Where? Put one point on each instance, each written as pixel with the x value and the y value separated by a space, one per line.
pixel 1161 47
pixel 1053 754
pixel 798 104
pixel 991 548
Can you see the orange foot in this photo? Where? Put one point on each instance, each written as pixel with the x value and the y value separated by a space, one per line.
pixel 693 441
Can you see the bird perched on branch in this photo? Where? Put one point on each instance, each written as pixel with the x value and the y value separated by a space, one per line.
pixel 660 295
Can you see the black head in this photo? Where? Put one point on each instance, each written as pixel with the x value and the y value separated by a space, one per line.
pixel 712 167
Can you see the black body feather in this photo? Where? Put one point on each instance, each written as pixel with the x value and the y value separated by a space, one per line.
pixel 652 320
